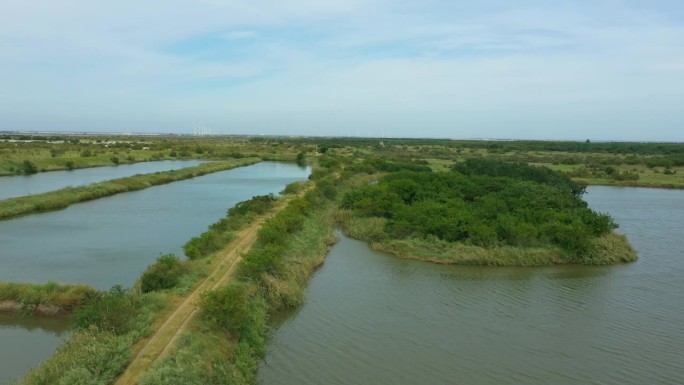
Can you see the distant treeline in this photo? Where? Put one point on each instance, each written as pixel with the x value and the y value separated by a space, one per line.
pixel 643 148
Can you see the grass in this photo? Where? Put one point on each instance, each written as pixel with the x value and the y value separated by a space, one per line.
pixel 209 354
pixel 648 177
pixel 96 356
pixel 60 199
pixel 65 297
pixel 609 249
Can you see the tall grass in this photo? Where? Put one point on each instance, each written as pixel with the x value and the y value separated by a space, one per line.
pixel 213 352
pixel 60 199
pixel 93 355
pixel 110 323
pixel 607 249
pixel 65 297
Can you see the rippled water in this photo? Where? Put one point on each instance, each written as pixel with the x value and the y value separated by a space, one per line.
pixel 20 185
pixel 112 240
pixel 371 318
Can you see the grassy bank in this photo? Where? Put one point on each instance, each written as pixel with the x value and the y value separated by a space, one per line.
pixel 607 249
pixel 110 324
pixel 60 199
pixel 102 346
pixel 50 298
pixel 225 344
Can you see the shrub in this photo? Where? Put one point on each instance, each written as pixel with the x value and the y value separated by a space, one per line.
pixel 226 307
pixel 164 274
pixel 202 245
pixel 261 260
pixel 112 311
pixel 27 168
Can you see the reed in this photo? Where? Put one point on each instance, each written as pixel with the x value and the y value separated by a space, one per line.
pixel 61 298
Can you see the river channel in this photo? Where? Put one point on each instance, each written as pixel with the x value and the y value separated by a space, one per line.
pixel 20 185
pixel 112 240
pixel 370 318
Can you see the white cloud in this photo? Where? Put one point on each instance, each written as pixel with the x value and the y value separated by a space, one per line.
pixel 330 65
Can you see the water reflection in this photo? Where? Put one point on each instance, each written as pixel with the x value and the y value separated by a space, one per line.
pixel 373 318
pixel 20 185
pixel 26 341
pixel 53 325
pixel 111 240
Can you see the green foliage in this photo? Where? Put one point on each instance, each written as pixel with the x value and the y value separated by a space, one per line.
pixel 95 356
pixel 59 199
pixel 90 357
pixel 203 245
pixel 293 188
pixel 221 232
pixel 258 204
pixel 164 274
pixel 376 164
pixel 27 167
pixel 226 308
pixel 66 297
pixel 261 260
pixel 301 159
pixel 115 160
pixel 491 167
pixel 483 210
pixel 111 311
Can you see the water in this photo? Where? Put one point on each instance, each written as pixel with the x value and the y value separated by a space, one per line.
pixel 112 240
pixel 16 186
pixel 27 341
pixel 370 318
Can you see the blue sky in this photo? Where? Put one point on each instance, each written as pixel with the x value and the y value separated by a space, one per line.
pixel 603 69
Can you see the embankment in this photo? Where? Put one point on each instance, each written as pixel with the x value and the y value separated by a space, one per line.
pixel 60 199
pixel 50 299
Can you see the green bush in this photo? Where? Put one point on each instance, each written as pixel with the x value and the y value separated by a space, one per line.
pixel 258 204
pixel 202 245
pixel 535 207
pixel 112 311
pixel 27 167
pixel 227 308
pixel 261 260
pixel 164 274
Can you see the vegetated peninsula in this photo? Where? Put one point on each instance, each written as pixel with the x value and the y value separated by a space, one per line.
pixel 484 212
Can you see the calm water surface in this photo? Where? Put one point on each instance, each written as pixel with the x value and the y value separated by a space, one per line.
pixel 20 185
pixel 370 318
pixel 112 240
pixel 26 341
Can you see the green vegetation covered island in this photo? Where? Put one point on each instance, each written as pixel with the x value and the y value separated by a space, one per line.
pixel 484 212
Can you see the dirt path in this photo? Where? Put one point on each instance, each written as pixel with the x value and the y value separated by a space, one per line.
pixel 166 335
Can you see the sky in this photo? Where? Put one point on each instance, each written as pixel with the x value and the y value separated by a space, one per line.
pixel 525 69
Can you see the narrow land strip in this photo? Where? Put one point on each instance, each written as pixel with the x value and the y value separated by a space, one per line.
pixel 63 198
pixel 155 347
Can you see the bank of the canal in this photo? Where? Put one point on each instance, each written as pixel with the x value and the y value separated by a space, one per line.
pixel 21 185
pixel 374 318
pixel 111 240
